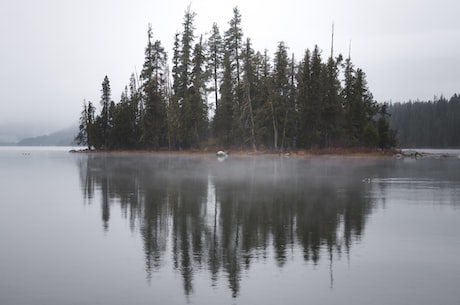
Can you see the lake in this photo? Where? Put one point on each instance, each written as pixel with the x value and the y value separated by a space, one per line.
pixel 175 229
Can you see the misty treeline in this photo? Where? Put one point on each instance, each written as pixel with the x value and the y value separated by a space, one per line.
pixel 220 92
pixel 427 123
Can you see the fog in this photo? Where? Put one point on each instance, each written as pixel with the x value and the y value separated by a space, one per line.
pixel 184 228
pixel 13 132
pixel 55 54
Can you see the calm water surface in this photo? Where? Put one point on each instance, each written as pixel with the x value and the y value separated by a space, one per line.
pixel 149 229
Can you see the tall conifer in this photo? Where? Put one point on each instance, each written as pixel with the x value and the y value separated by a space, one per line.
pixel 214 59
pixel 153 76
pixel 249 92
pixel 184 82
pixel 234 44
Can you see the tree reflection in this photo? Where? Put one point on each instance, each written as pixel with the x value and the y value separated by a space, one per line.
pixel 222 217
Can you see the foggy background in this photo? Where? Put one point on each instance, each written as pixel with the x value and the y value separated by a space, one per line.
pixel 54 53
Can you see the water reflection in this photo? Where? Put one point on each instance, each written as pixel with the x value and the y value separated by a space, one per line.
pixel 220 217
pixel 426 181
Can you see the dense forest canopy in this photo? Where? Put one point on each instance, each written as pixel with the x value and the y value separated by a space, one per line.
pixel 220 92
pixel 427 124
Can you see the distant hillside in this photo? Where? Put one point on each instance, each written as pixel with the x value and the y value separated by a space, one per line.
pixel 12 132
pixel 64 137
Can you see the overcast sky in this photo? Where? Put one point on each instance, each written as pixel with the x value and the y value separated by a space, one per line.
pixel 55 53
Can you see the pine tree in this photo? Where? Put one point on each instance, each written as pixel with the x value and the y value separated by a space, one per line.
pixel 121 121
pixel 259 103
pixel 331 117
pixel 197 96
pixel 184 82
pixel 234 44
pixel 316 98
pixel 125 130
pixel 248 87
pixel 280 102
pixel 359 108
pixel 86 126
pixel 136 108
pixel 82 137
pixel 387 136
pixel 363 109
pixel 291 130
pixel 154 123
pixel 214 59
pixel 348 93
pixel 310 98
pixel 223 119
pixel 173 106
pixel 105 119
pixel 263 114
pixel 185 58
pixel 303 78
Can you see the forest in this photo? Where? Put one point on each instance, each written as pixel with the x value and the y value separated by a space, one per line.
pixel 421 124
pixel 219 92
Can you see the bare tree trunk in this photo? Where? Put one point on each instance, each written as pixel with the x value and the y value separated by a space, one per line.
pixel 215 85
pixel 284 131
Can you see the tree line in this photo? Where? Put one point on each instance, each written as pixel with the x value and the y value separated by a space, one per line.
pixel 220 92
pixel 427 123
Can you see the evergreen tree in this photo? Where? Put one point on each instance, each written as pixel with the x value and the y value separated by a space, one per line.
pixel 360 108
pixel 281 93
pixel 86 126
pixel 223 119
pixel 434 123
pixel 363 110
pixel 136 107
pixel 249 92
pixel 303 77
pixel 197 97
pixel 291 130
pixel 258 102
pixel 387 136
pixel 82 137
pixel 174 107
pixel 310 79
pixel 154 123
pixel 331 116
pixel 105 119
pixel 234 44
pixel 347 97
pixel 263 114
pixel 125 130
pixel 316 99
pixel 214 59
pixel 184 82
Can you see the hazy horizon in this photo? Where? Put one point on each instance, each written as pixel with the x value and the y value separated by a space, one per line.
pixel 11 133
pixel 55 54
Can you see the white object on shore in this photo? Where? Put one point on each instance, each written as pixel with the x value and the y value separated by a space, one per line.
pixel 221 155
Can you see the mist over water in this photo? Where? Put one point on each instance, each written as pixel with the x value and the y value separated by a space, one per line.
pixel 170 229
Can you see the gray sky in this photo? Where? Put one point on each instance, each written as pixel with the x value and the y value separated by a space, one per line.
pixel 55 53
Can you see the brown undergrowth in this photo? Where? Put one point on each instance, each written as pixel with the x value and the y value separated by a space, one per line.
pixel 352 152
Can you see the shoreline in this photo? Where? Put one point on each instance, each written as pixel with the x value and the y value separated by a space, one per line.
pixel 300 153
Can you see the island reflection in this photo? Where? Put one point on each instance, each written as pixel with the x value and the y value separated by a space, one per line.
pixel 221 217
